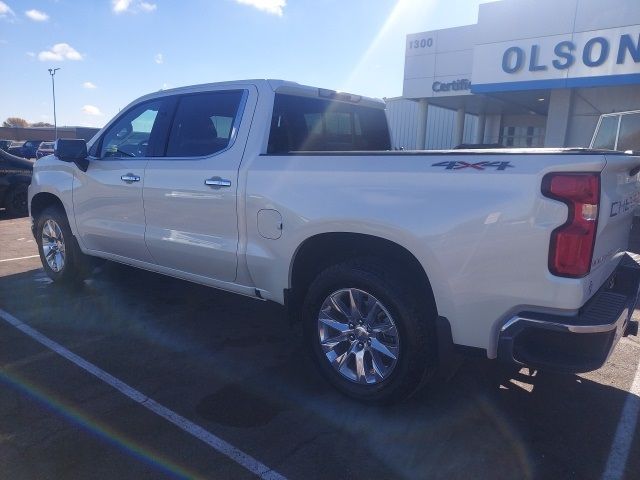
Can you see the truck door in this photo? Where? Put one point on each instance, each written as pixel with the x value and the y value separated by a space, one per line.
pixel 191 193
pixel 107 198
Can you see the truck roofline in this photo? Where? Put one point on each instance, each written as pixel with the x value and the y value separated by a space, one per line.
pixel 274 85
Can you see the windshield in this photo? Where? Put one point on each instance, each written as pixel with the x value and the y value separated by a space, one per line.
pixel 619 131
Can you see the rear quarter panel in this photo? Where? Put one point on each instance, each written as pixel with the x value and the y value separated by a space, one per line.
pixel 482 235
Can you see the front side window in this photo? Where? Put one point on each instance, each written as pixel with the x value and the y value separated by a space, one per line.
pixel 629 138
pixel 203 123
pixel 129 136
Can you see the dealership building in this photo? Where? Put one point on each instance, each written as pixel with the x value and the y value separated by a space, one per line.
pixel 529 73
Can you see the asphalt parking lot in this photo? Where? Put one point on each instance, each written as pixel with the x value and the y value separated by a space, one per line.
pixel 231 369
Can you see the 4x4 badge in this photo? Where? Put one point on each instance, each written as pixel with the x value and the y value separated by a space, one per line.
pixel 459 165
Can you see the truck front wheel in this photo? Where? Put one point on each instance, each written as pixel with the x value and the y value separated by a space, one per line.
pixel 61 257
pixel 369 337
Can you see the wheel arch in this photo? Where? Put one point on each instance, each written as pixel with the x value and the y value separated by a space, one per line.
pixel 43 200
pixel 322 250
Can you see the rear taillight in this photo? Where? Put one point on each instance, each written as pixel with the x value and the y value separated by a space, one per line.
pixel 571 248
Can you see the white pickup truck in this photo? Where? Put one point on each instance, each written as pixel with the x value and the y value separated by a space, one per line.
pixel 392 260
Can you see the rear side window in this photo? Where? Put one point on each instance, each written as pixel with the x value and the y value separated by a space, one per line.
pixel 203 123
pixel 313 124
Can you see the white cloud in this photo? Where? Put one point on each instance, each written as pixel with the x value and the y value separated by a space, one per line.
pixel 132 6
pixel 158 58
pixel 5 10
pixel 274 7
pixel 92 110
pixel 147 7
pixel 59 52
pixel 31 54
pixel 89 85
pixel 37 15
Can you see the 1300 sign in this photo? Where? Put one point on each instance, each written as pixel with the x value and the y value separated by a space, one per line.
pixel 423 43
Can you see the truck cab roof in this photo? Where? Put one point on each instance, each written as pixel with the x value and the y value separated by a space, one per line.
pixel 277 86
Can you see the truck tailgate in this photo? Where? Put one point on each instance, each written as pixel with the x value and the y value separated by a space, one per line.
pixel 619 196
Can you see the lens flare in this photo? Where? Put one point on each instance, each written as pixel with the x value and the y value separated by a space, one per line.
pixel 94 427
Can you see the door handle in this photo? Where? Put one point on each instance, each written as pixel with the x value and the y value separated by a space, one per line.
pixel 217 182
pixel 130 177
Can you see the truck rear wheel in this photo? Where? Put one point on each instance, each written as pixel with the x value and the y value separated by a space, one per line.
pixel 61 257
pixel 368 336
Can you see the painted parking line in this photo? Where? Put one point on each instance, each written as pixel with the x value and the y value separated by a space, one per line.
pixel 18 258
pixel 221 446
pixel 625 432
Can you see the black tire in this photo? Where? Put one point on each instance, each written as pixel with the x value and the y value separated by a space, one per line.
pixel 77 265
pixel 17 200
pixel 416 360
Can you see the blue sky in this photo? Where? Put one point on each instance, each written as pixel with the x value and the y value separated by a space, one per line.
pixel 113 51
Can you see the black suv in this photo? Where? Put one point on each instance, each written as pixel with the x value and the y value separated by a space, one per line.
pixel 15 177
pixel 27 149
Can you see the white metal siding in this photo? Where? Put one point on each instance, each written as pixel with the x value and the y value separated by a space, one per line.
pixel 402 115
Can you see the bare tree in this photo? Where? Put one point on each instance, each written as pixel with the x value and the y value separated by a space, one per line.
pixel 41 124
pixel 15 122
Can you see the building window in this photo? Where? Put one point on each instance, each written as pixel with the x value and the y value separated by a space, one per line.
pixel 522 136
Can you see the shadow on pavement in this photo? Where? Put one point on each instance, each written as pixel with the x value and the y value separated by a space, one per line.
pixel 5 216
pixel 236 366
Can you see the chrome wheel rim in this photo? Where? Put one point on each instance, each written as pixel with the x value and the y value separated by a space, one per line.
pixel 358 336
pixel 53 245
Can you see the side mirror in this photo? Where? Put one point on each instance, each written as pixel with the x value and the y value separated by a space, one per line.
pixel 72 150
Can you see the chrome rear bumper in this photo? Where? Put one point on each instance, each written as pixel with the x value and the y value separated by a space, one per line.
pixel 577 343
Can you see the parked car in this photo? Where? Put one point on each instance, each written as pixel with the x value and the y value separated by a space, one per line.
pixel 5 144
pixel 391 260
pixel 15 177
pixel 15 148
pixel 26 150
pixel 45 148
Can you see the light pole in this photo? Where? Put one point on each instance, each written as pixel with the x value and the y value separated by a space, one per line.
pixel 52 72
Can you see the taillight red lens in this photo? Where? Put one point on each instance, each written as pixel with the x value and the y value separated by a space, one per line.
pixel 571 248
